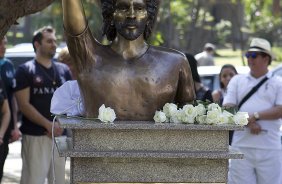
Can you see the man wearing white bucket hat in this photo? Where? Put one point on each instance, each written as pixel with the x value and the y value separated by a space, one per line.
pixel 205 58
pixel 260 94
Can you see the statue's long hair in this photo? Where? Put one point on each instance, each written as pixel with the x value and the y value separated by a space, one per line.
pixel 108 8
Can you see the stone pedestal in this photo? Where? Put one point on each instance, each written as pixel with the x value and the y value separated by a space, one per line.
pixel 139 152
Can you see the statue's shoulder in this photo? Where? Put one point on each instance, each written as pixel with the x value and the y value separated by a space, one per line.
pixel 164 51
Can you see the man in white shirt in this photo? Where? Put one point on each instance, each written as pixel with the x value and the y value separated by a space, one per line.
pixel 205 58
pixel 260 141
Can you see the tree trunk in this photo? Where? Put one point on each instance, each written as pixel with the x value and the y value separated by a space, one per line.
pixel 276 7
pixel 27 28
pixel 11 10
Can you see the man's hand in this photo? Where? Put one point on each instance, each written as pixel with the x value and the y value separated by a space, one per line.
pixel 15 135
pixel 254 127
pixel 57 130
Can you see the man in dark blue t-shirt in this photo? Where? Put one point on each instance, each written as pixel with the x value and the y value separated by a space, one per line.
pixel 7 74
pixel 36 81
pixel 4 123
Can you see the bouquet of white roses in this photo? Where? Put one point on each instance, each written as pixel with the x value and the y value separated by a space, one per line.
pixel 201 113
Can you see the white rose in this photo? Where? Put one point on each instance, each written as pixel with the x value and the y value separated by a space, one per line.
pixel 169 109
pixel 176 118
pixel 229 116
pixel 201 119
pixel 213 117
pixel 189 110
pixel 200 110
pixel 186 117
pixel 225 118
pixel 106 114
pixel 159 117
pixel 214 106
pixel 241 118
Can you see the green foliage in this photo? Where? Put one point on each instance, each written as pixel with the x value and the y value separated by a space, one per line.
pixel 50 16
pixel 181 24
pixel 94 17
pixel 262 21
pixel 53 16
pixel 278 54
pixel 157 39
pixel 223 30
pixel 179 19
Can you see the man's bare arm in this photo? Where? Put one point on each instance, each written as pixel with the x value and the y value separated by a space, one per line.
pixel 5 119
pixel 272 113
pixel 31 112
pixel 74 16
pixel 15 134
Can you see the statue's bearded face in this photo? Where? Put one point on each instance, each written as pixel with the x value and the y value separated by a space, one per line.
pixel 130 18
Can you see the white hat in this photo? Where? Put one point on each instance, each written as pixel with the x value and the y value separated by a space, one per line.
pixel 209 45
pixel 260 45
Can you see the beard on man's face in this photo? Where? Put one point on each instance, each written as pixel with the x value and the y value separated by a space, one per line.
pixel 123 29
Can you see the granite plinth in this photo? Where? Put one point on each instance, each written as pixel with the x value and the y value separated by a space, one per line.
pixel 146 152
pixel 146 170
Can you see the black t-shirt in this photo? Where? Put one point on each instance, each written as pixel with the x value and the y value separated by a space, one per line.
pixel 7 74
pixel 204 94
pixel 3 96
pixel 42 83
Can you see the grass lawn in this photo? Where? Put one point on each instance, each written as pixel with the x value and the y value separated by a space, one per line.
pixel 227 56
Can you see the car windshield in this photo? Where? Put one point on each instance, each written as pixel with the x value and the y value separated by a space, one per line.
pixel 277 70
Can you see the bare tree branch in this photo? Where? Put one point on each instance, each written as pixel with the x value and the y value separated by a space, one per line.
pixel 11 10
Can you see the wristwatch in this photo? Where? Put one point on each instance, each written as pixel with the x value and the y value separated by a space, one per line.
pixel 256 115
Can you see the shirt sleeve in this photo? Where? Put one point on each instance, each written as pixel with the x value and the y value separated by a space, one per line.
pixel 8 75
pixel 2 90
pixel 231 96
pixel 279 91
pixel 22 79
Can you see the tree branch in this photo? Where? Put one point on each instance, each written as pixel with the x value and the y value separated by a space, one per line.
pixel 11 10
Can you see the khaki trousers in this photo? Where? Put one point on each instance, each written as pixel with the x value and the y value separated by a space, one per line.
pixel 37 161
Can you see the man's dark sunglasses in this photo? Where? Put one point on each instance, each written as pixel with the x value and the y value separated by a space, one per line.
pixel 253 55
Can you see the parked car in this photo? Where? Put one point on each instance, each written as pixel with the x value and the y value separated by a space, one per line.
pixel 210 75
pixel 23 52
pixel 277 70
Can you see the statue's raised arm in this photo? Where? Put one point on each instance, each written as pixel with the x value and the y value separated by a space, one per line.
pixel 129 75
pixel 74 17
pixel 79 37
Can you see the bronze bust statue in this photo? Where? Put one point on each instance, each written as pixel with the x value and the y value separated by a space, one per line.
pixel 130 76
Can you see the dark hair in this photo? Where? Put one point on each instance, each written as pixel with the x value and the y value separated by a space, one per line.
pixel 108 9
pixel 38 34
pixel 194 67
pixel 220 73
pixel 209 49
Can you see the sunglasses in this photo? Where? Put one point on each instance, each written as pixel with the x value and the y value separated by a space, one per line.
pixel 252 55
